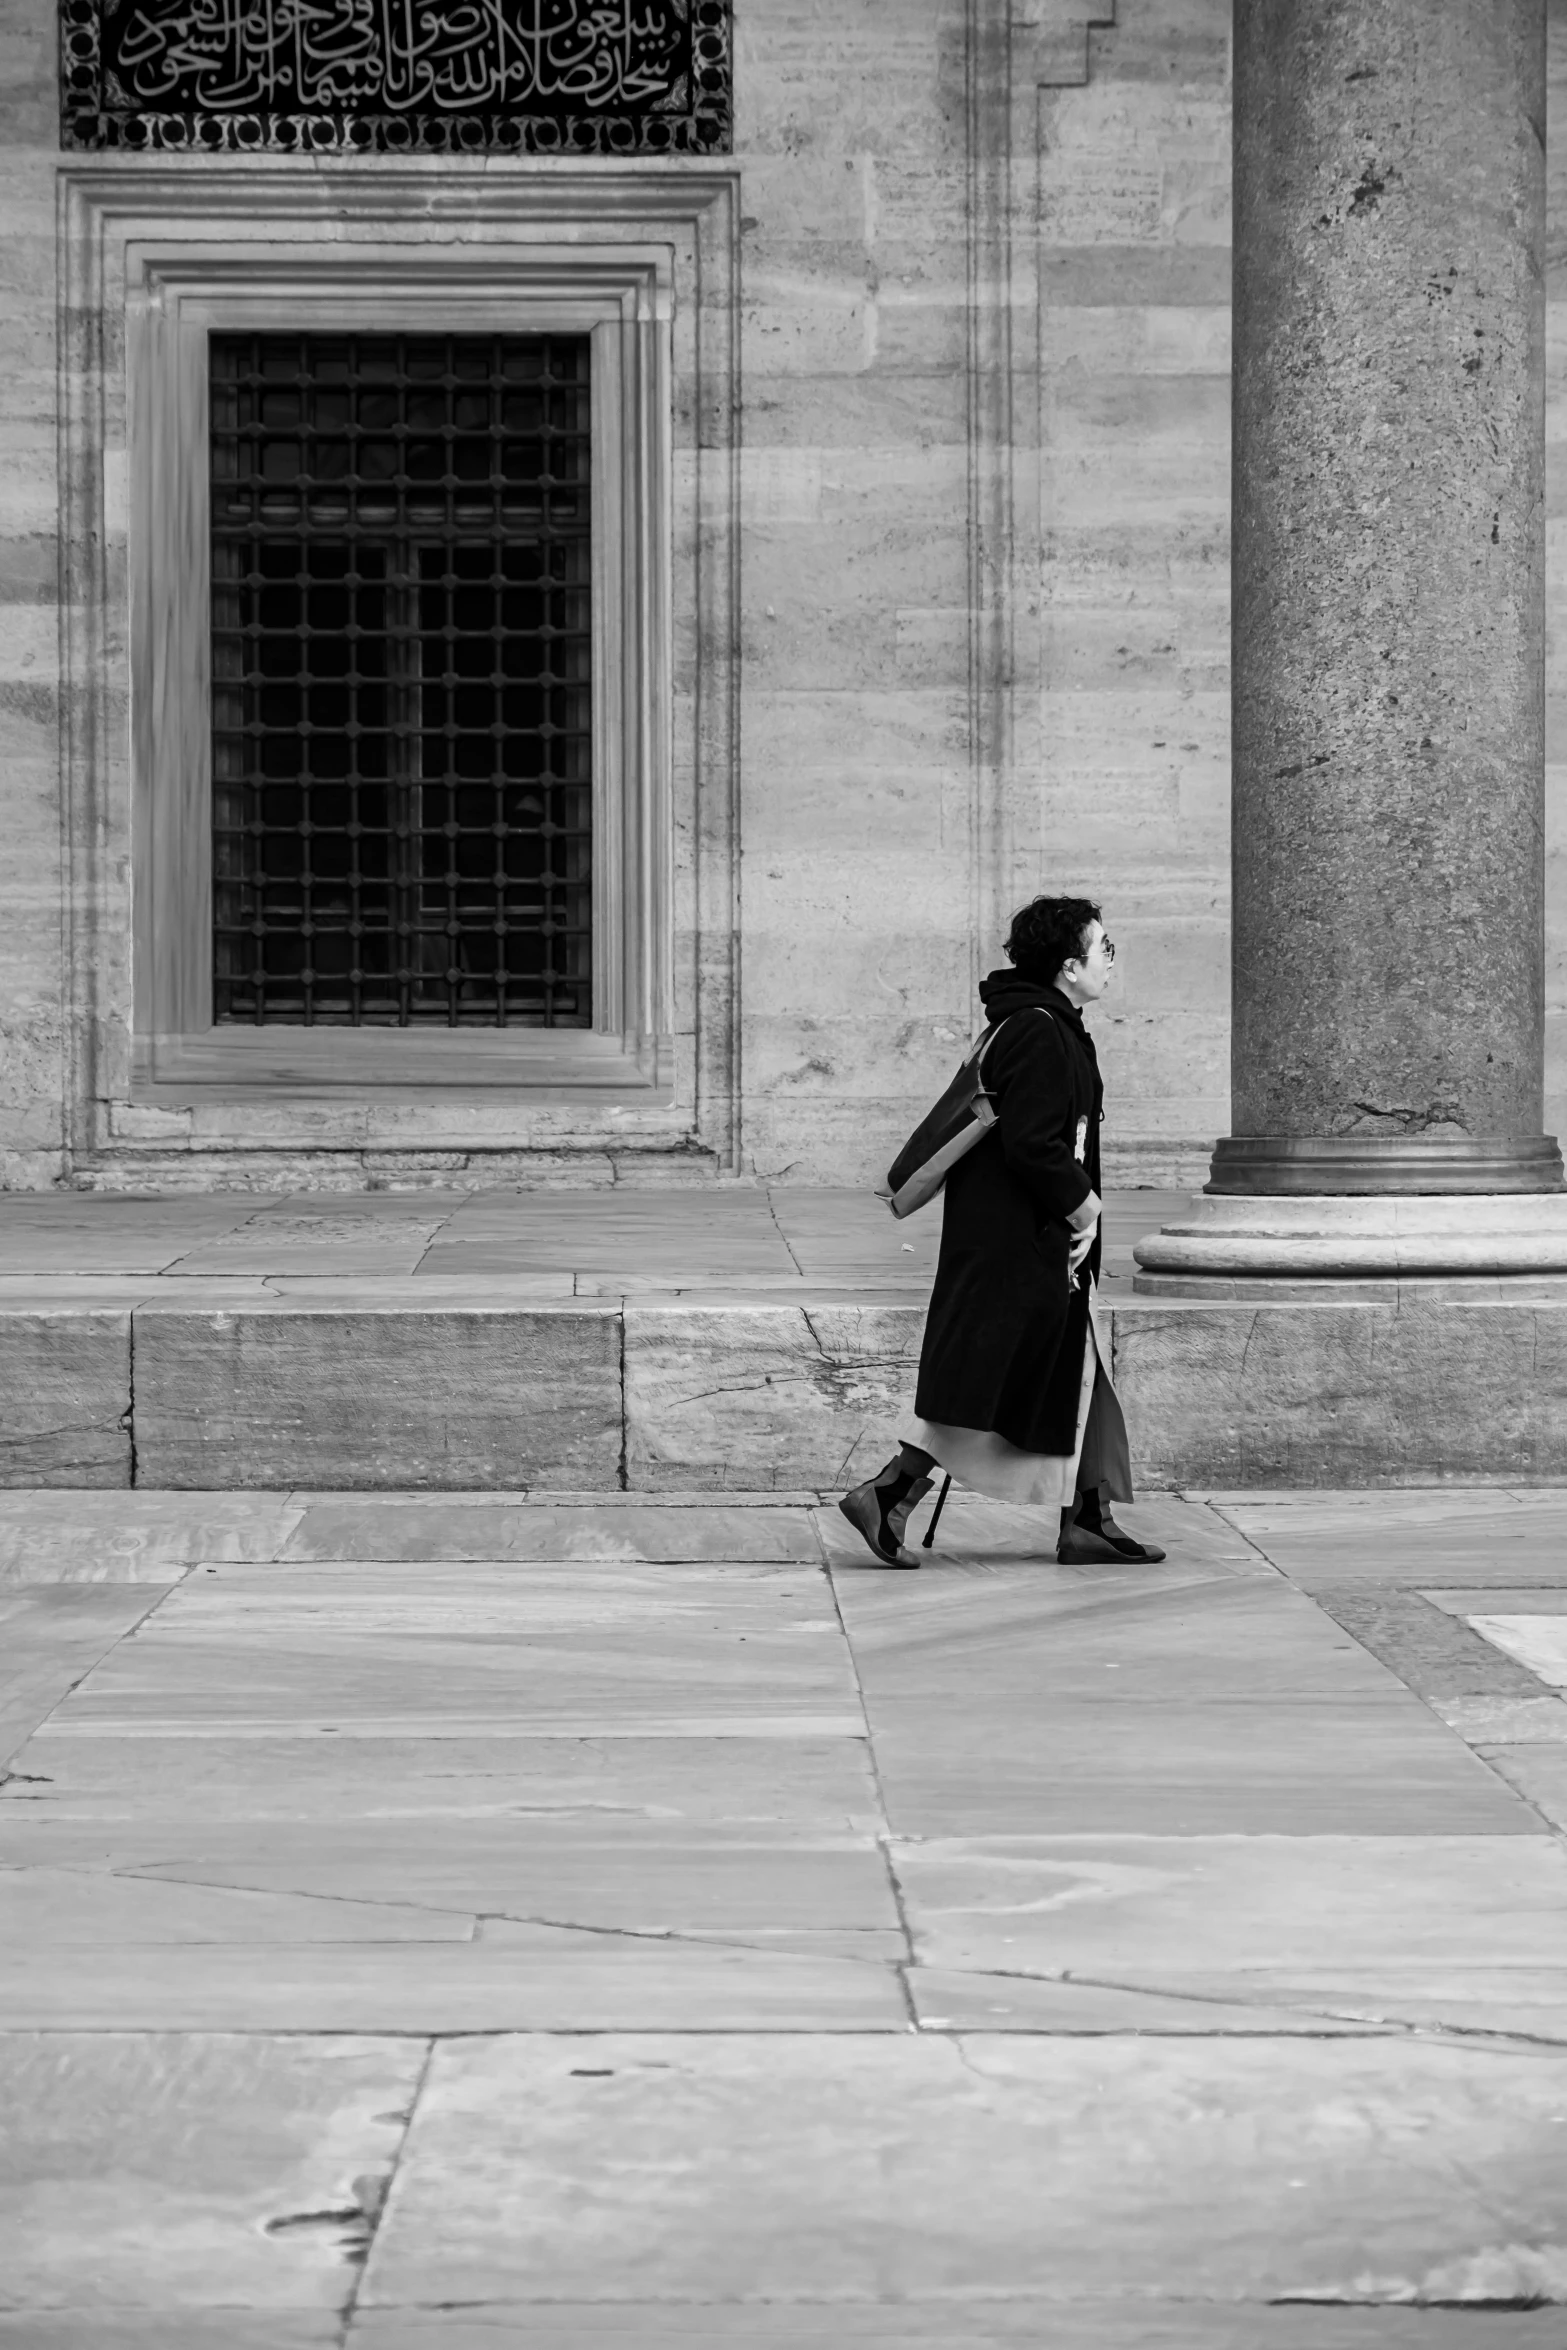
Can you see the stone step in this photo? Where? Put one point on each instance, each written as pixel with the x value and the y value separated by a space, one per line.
pixel 496 1384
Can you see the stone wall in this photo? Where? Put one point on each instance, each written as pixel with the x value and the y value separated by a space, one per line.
pixel 32 915
pixel 856 973
pixel 1133 802
pixel 881 828
pixel 1556 583
pixel 934 721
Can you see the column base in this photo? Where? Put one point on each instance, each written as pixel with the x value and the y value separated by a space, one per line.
pixel 1373 1165
pixel 1236 1247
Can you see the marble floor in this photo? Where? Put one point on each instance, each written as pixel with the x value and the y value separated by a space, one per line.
pixel 422 1929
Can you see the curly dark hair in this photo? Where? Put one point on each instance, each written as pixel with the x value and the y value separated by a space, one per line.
pixel 1048 932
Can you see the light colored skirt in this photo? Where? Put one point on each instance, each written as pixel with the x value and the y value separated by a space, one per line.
pixel 986 1463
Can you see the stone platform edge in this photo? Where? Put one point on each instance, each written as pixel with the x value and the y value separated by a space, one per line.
pixel 341 1393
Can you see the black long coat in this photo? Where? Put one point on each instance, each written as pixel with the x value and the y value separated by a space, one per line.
pixel 1005 1335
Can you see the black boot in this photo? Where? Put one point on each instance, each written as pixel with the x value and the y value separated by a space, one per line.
pixel 879 1510
pixel 1091 1537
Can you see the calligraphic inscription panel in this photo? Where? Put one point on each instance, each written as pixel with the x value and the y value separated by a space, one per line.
pixel 570 77
pixel 401 691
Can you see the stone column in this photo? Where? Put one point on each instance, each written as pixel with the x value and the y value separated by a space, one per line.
pixel 1388 621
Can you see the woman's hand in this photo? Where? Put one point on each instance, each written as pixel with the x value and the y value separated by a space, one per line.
pixel 1082 1224
pixel 1078 1247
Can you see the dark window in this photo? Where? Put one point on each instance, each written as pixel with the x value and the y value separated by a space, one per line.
pixel 401 637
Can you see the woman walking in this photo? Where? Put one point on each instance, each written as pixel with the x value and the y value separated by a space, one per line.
pixel 1014 1399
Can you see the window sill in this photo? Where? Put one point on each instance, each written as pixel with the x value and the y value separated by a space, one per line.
pixel 571 1063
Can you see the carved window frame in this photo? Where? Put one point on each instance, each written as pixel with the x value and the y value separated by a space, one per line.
pixel 150 269
pixel 179 299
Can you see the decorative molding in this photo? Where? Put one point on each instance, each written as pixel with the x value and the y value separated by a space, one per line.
pixel 520 77
pixel 653 254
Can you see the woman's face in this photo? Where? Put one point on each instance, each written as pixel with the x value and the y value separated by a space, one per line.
pixel 1087 976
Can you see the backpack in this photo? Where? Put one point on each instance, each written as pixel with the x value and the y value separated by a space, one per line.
pixel 964 1116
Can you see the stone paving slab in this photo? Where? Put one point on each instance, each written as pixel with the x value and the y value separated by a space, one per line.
pixel 185 2208
pixel 1156 1912
pixel 82 1909
pixel 443 1988
pixel 744 1229
pixel 52 1638
pixel 135 1537
pixel 569 1871
pixel 955 1999
pixel 210 2329
pixel 608 1722
pixel 1415 1538
pixel 1122 1698
pixel 535 1639
pixel 1131 1632
pixel 1487 1722
pixel 1447 1506
pixel 821 1778
pixel 1539 1774
pixel 707 1290
pixel 1188 1769
pixel 918 2169
pixel 950 2324
pixel 1474 2007
pixel 1532 1599
pixel 76 1232
pixel 426 1530
pixel 325 1240
pixel 945 2325
pixel 1537 1642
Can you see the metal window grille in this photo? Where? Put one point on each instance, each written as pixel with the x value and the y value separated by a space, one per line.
pixel 401 637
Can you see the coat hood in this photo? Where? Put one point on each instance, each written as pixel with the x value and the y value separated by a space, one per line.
pixel 1006 992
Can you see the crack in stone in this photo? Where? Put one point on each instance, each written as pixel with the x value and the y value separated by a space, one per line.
pixel 1235 1998
pixel 720 1938
pixel 1483 2035
pixel 128 1416
pixel 748 1386
pixel 1435 1117
pixel 142 1874
pixel 782 1234
pixel 374 2194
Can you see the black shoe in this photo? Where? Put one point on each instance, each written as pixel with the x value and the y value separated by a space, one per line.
pixel 865 1507
pixel 1087 1546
